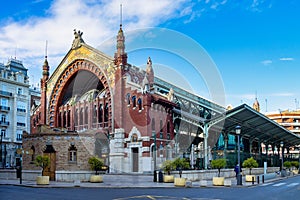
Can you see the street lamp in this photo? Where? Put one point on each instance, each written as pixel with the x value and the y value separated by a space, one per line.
pixel 281 145
pixel 239 176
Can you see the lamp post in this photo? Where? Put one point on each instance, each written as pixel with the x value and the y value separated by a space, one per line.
pixel 281 145
pixel 239 176
pixel 154 157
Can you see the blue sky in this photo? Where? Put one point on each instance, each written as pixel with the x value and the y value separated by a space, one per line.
pixel 254 44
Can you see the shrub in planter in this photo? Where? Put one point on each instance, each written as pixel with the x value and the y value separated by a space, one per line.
pixel 181 163
pixel 218 164
pixel 287 164
pixel 168 166
pixel 43 162
pixel 250 163
pixel 96 164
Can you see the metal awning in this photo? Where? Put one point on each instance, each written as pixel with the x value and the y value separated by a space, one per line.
pixel 255 126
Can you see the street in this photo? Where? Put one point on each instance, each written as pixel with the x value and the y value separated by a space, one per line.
pixel 283 189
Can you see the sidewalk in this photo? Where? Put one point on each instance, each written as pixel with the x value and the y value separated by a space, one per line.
pixel 125 181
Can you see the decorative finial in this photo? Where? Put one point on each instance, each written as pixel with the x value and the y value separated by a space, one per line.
pixel 77 40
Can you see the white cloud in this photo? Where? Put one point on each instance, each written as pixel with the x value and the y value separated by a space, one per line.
pixel 266 62
pixel 286 59
pixel 98 21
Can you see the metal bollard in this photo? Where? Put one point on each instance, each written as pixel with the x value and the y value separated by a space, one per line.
pixel 155 176
pixel 263 178
pixel 252 180
pixel 257 179
pixel 160 177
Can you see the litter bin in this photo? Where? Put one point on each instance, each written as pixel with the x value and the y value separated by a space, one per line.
pixel 160 176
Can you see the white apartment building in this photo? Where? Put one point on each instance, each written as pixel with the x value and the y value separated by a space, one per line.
pixel 15 101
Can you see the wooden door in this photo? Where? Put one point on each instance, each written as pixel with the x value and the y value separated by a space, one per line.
pixel 135 159
pixel 50 170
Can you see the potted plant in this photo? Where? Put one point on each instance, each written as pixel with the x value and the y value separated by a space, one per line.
pixel 180 164
pixel 168 166
pixel 250 163
pixel 43 162
pixel 96 165
pixel 218 164
pixel 295 165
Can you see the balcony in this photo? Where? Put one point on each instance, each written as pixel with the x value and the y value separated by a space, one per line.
pixel 21 110
pixel 4 108
pixel 21 124
pixel 5 93
pixel 4 123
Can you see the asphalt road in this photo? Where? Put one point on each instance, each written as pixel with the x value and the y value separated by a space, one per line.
pixel 286 189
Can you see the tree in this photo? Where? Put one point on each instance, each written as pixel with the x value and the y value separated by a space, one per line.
pixel 287 164
pixel 168 166
pixel 218 164
pixel 96 164
pixel 250 163
pixel 42 161
pixel 181 163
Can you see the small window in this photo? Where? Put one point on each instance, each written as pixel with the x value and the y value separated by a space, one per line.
pixel 3 133
pixel 72 153
pixel 19 135
pixel 139 104
pixel 19 91
pixel 134 101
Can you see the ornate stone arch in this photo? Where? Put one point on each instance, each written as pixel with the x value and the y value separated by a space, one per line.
pixel 73 68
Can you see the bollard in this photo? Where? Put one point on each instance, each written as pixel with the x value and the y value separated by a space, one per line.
pixel 155 176
pixel 263 178
pixel 252 180
pixel 257 179
pixel 160 176
pixel 180 173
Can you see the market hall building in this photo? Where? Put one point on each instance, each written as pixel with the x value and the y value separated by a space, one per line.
pixel 94 104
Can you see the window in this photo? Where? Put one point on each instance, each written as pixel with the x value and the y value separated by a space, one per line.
pixel 3 133
pixel 128 99
pixel 19 135
pixel 32 154
pixel 161 130
pixel 134 101
pixel 19 91
pixel 21 120
pixel 4 102
pixel 3 118
pixel 140 104
pixel 21 106
pixel 72 153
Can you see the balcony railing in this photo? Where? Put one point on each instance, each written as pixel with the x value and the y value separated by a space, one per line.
pixel 21 124
pixel 5 93
pixel 4 123
pixel 5 108
pixel 21 110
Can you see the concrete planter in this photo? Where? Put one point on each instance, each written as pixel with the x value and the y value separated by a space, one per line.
pixel 96 179
pixel 295 171
pixel 42 180
pixel 168 178
pixel 180 182
pixel 218 181
pixel 248 178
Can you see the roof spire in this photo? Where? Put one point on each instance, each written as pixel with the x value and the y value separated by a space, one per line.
pixel 46 49
pixel 120 16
